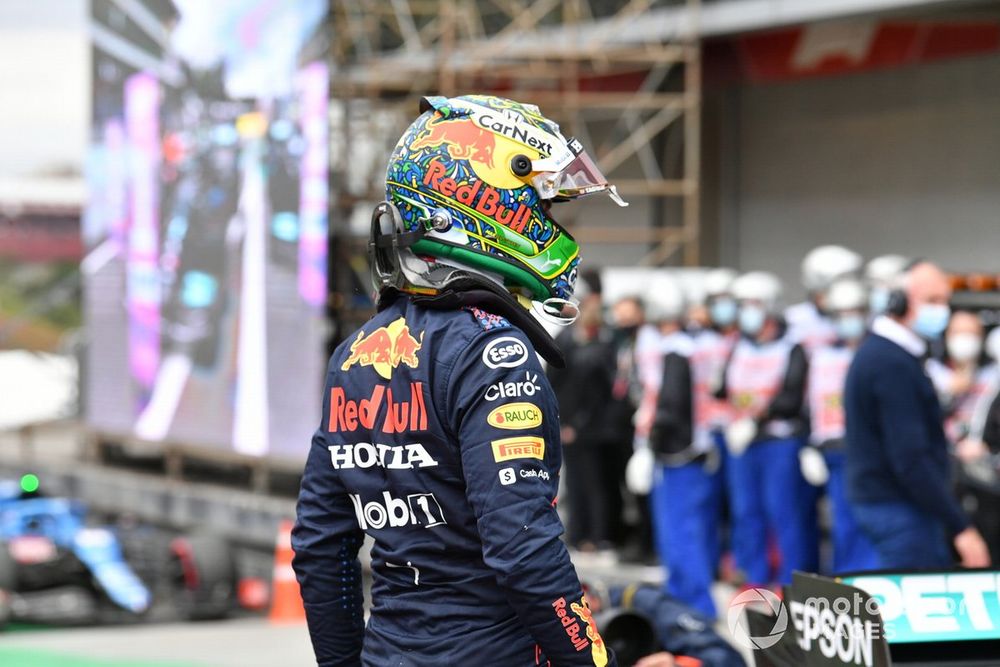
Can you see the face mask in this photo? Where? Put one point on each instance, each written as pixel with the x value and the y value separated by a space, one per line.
pixel 878 300
pixel 850 327
pixel 932 320
pixel 964 347
pixel 752 320
pixel 723 312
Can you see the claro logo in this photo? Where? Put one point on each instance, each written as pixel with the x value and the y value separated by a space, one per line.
pixel 515 389
pixel 505 352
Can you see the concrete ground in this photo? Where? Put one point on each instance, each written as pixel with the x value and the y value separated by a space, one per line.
pixel 234 643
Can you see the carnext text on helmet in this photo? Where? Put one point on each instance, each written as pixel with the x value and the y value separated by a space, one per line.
pixel 516 133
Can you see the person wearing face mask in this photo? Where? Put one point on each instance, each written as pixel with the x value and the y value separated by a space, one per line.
pixel 960 379
pixel 629 319
pixel 808 322
pixel 983 440
pixel 711 347
pixel 764 382
pixel 984 426
pixel 897 467
pixel 881 273
pixel 684 499
pixel 823 461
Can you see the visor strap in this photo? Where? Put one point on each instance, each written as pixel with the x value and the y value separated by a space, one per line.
pixel 399 240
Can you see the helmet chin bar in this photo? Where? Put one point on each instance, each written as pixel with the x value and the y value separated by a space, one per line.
pixel 395 265
pixel 383 247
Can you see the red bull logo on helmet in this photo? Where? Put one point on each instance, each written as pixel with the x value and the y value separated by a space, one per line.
pixel 479 196
pixel 464 139
pixel 385 349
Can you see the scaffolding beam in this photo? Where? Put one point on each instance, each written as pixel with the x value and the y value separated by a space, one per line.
pixel 583 62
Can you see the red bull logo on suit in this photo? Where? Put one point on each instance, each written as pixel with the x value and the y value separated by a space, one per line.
pixel 385 349
pixel 583 635
pixel 401 416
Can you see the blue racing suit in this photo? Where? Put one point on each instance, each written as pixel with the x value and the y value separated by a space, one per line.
pixel 440 440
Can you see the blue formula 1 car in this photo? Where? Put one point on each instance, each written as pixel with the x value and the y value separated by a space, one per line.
pixel 55 567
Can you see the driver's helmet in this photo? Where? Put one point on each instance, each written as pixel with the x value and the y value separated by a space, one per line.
pixel 469 191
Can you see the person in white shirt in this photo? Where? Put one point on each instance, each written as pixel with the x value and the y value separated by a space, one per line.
pixel 765 383
pixel 823 461
pixel 807 321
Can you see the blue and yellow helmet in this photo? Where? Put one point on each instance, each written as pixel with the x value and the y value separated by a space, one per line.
pixel 474 177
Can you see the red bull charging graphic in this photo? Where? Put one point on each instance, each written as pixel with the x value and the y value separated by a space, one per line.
pixel 385 349
pixel 578 622
pixel 465 140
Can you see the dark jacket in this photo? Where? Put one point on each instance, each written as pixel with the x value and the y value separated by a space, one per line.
pixel 672 431
pixel 896 446
pixel 583 388
pixel 439 440
pixel 991 425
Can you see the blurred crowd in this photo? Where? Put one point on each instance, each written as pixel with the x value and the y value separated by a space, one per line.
pixel 730 437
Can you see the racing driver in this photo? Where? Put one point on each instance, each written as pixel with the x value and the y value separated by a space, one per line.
pixel 440 434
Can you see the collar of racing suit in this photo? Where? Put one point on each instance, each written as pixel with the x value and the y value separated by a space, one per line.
pixel 470 292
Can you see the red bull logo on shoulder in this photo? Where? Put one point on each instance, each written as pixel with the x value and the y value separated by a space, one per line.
pixel 385 349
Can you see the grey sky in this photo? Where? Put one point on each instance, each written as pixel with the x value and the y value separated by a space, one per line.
pixel 45 84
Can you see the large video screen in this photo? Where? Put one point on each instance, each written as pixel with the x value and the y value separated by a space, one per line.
pixel 206 229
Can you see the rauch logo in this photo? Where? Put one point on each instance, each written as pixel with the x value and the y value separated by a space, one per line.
pixel 515 416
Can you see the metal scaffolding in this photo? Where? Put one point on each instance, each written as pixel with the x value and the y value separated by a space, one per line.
pixel 631 93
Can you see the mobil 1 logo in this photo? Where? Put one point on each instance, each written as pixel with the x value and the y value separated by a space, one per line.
pixel 418 509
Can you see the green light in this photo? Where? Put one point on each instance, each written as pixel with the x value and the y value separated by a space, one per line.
pixel 29 483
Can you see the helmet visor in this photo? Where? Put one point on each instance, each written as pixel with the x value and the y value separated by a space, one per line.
pixel 570 175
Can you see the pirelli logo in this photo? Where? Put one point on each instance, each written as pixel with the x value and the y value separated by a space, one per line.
pixel 521 447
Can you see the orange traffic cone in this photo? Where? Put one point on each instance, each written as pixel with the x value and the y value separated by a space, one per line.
pixel 286 600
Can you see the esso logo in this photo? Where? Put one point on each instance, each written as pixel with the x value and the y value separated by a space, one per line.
pixel 505 352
